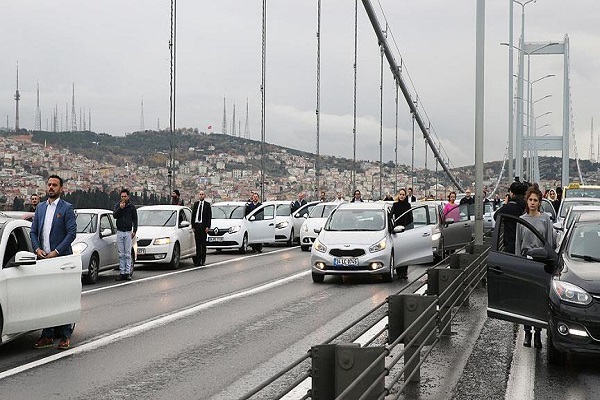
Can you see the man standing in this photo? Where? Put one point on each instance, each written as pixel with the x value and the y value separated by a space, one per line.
pixel 252 204
pixel 357 197
pixel 201 215
pixel 34 200
pixel 467 199
pixel 322 198
pixel 127 223
pixel 339 198
pixel 411 198
pixel 176 199
pixel 298 203
pixel 516 206
pixel 53 230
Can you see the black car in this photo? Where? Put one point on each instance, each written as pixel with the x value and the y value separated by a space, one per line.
pixel 558 291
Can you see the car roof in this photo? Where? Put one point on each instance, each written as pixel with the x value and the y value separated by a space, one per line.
pixel 578 199
pixel 92 210
pixel 363 206
pixel 230 203
pixel 590 216
pixel 162 207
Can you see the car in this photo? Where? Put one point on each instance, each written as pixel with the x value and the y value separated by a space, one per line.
pixel 357 238
pixel 566 204
pixel 572 215
pixel 575 189
pixel 34 294
pixel 300 215
pixel 488 216
pixel 231 229
pixel 284 222
pixel 557 291
pixel 165 235
pixel 28 215
pixel 96 242
pixel 315 221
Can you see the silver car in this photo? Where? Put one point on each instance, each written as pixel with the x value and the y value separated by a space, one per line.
pixel 96 242
pixel 357 238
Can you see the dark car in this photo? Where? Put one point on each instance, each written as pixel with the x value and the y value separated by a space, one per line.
pixel 558 291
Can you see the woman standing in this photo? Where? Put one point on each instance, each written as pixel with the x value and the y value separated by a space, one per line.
pixel 404 218
pixel 527 240
pixel 451 208
pixel 553 199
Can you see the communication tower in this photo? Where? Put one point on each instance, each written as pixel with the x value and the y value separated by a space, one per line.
pixel 224 126
pixel 89 119
pixel 38 112
pixel 73 113
pixel 142 116
pixel 592 159
pixel 17 98
pixel 233 121
pixel 247 126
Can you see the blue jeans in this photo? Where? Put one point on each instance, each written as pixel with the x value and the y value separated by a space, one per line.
pixel 61 331
pixel 124 247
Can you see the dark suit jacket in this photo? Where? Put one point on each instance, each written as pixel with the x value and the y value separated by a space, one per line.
pixel 206 213
pixel 63 231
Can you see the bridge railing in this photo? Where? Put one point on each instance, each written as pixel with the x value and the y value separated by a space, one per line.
pixel 352 362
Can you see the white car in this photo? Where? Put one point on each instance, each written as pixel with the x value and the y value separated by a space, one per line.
pixel 231 229
pixel 165 235
pixel 35 294
pixel 284 222
pixel 316 219
pixel 300 215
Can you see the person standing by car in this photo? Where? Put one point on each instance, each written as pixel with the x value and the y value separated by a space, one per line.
pixel 357 197
pixel 514 206
pixel 53 230
pixel 252 204
pixel 176 199
pixel 526 240
pixel 299 203
pixel 451 209
pixel 411 198
pixel 34 201
pixel 467 199
pixel 201 217
pixel 127 223
pixel 404 218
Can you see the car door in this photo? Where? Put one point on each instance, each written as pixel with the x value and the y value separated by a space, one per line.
pixel 106 245
pixel 548 208
pixel 517 285
pixel 261 224
pixel 188 233
pixel 41 294
pixel 458 233
pixel 414 245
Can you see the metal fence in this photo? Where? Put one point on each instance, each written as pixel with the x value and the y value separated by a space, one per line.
pixel 351 364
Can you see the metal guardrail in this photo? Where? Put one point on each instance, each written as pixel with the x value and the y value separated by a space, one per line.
pixel 342 369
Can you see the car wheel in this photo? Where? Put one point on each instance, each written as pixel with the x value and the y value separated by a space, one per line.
pixel 290 242
pixel 92 275
pixel 442 253
pixel 555 356
pixel 318 278
pixel 244 247
pixel 174 264
pixel 389 277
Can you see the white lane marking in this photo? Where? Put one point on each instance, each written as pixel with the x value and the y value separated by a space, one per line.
pixel 521 378
pixel 146 326
pixel 184 270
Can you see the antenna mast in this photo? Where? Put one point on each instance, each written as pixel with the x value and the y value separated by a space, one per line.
pixel 38 112
pixel 233 121
pixel 17 98
pixel 142 116
pixel 592 159
pixel 247 126
pixel 73 113
pixel 224 125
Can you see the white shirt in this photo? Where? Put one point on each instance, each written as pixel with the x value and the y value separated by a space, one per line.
pixel 48 218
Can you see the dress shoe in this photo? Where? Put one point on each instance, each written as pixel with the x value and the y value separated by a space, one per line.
pixel 121 277
pixel 527 341
pixel 537 339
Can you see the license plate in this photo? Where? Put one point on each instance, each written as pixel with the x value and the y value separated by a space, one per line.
pixel 141 251
pixel 215 239
pixel 345 262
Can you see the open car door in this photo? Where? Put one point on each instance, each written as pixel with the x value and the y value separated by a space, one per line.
pixel 414 244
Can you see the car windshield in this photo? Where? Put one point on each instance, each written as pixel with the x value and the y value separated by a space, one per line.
pixel 585 242
pixel 228 212
pixel 356 220
pixel 157 217
pixel 583 192
pixel 321 210
pixel 583 202
pixel 86 223
pixel 284 210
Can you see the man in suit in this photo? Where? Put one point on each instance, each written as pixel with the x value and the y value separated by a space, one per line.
pixel 53 230
pixel 299 203
pixel 201 216
pixel 410 197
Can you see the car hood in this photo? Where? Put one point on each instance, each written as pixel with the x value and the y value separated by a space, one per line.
pixel 82 237
pixel 312 223
pixel 356 238
pixel 582 273
pixel 154 231
pixel 223 223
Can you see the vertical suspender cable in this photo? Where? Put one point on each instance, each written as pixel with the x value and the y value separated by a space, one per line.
pixel 396 146
pixel 171 51
pixel 262 110
pixel 412 161
pixel 354 112
pixel 174 147
pixel 318 111
pixel 381 125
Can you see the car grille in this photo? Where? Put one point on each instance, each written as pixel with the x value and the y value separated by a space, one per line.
pixel 144 242
pixel 222 244
pixel 220 231
pixel 347 252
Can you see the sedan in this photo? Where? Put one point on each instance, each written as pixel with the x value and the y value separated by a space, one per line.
pixel 96 242
pixel 356 239
pixel 300 215
pixel 314 223
pixel 165 235
pixel 557 292
pixel 35 294
pixel 284 222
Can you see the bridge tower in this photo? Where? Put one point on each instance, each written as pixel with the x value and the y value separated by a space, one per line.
pixel 17 98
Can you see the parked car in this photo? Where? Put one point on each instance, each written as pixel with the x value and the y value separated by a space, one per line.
pixel 552 290
pixel 454 234
pixel 35 293
pixel 315 221
pixel 284 222
pixel 357 238
pixel 572 215
pixel 566 204
pixel 300 215
pixel 96 242
pixel 165 235
pixel 231 230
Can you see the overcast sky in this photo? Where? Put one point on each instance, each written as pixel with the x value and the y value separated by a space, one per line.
pixel 116 52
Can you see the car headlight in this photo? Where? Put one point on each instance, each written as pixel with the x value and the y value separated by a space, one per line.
pixel 282 225
pixel 320 247
pixel 570 293
pixel 234 229
pixel 160 241
pixel 79 248
pixel 378 246
pixel 436 236
pixel 304 228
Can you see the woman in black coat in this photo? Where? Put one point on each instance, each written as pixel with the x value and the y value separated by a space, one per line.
pixel 400 207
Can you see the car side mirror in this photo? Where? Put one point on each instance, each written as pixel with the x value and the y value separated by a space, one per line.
pixel 252 218
pixel 105 232
pixel 25 258
pixel 399 229
pixel 449 221
pixel 305 215
pixel 184 224
pixel 318 230
pixel 540 254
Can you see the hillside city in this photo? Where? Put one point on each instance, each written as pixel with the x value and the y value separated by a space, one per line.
pixel 226 167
